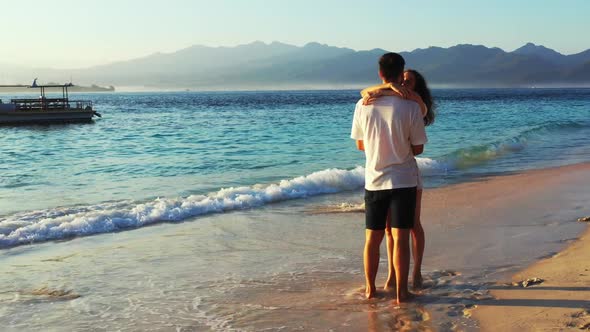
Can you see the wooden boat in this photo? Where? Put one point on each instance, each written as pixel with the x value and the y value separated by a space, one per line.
pixel 43 109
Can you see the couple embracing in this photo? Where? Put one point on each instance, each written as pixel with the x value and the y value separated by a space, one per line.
pixel 389 126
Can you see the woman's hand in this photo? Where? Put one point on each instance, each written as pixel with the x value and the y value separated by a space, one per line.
pixel 398 89
pixel 371 96
pixel 401 91
pixel 392 89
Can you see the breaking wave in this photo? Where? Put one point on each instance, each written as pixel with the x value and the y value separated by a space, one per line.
pixel 67 222
pixel 480 154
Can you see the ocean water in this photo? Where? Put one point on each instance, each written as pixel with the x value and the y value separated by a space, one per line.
pixel 157 157
pixel 228 180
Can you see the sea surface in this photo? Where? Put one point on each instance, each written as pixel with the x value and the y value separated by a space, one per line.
pixel 157 157
pixel 223 177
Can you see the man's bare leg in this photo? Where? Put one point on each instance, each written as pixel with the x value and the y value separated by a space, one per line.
pixel 390 283
pixel 373 240
pixel 401 262
pixel 418 243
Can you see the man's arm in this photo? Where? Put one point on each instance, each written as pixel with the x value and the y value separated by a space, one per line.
pixel 356 132
pixel 417 133
pixel 417 149
pixel 416 97
pixel 360 145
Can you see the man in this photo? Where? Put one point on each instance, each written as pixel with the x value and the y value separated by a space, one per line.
pixel 391 132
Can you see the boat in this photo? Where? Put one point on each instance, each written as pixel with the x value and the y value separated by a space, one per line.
pixel 44 109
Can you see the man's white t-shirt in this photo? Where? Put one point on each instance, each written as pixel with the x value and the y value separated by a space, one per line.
pixel 388 129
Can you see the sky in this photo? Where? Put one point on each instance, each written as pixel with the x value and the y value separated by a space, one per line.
pixel 83 33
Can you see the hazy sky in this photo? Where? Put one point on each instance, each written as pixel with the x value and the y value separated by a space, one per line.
pixel 79 33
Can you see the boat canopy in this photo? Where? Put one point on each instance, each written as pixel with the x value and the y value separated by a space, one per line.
pixel 64 87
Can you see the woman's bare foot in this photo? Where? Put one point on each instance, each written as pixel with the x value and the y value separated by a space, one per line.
pixel 370 292
pixel 389 285
pixel 417 281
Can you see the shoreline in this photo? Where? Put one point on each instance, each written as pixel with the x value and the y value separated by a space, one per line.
pixel 560 302
pixel 282 266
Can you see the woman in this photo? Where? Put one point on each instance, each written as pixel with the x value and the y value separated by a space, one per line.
pixel 414 88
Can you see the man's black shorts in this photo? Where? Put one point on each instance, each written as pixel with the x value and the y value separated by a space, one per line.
pixel 401 202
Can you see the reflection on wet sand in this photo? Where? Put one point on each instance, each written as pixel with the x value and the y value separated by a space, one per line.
pixel 411 317
pixel 326 300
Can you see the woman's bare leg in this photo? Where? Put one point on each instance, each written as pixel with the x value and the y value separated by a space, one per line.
pixel 418 243
pixel 390 283
pixel 401 261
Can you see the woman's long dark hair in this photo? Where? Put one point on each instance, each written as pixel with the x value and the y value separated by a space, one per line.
pixel 422 90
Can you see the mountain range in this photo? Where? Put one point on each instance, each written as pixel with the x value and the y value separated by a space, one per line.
pixel 282 66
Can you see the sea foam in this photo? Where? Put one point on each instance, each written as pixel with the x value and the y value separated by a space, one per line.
pixel 59 223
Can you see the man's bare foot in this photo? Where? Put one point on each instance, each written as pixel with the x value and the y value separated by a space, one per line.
pixel 417 281
pixel 404 297
pixel 389 285
pixel 370 292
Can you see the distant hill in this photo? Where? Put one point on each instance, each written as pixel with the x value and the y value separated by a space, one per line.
pixel 74 88
pixel 277 65
pixel 542 52
pixel 92 88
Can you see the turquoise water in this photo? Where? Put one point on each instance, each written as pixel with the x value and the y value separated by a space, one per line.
pixel 157 157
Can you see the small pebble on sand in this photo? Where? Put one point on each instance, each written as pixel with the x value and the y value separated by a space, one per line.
pixel 528 282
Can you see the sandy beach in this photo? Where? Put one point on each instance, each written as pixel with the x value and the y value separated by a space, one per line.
pixel 560 302
pixel 559 298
